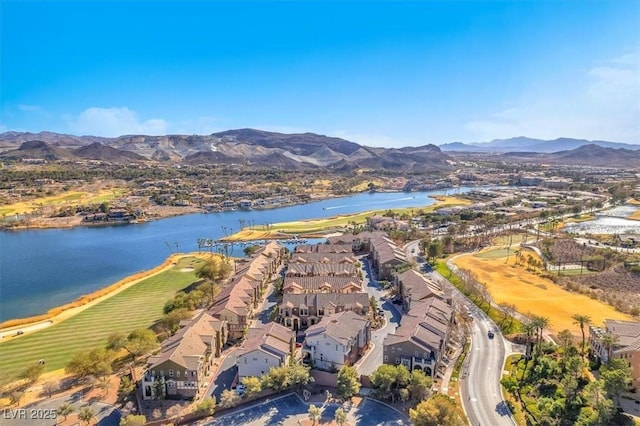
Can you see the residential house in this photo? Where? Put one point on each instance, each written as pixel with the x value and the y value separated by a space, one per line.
pixel 322 284
pixel 626 345
pixel 180 369
pixel 237 301
pixel 421 340
pixel 322 270
pixel 386 256
pixel 270 345
pixel 337 340
pixel 322 248
pixel 413 287
pixel 298 311
pixel 323 258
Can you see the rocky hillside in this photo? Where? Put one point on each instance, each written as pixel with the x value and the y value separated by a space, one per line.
pixel 591 155
pixel 246 146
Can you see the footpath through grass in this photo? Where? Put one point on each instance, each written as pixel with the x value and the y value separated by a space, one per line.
pixel 136 307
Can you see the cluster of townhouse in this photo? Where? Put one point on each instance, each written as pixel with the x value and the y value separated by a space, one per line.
pixel 324 306
pixel 182 368
pixel 324 301
pixel 623 343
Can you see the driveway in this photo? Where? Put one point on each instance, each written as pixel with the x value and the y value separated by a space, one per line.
pixel 290 409
pixel 373 358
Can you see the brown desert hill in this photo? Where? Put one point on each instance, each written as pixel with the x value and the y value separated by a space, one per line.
pixel 98 151
pixel 12 140
pixel 597 155
pixel 304 144
pixel 37 149
pixel 256 148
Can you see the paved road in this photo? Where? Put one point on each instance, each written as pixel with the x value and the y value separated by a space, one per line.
pixel 480 379
pixel 373 358
pixel 33 414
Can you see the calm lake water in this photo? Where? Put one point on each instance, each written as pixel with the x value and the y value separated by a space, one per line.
pixel 40 269
pixel 610 221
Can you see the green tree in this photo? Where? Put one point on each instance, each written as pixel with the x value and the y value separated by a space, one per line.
pixel 583 321
pixel 229 398
pixel 64 410
pixel 348 383
pixel 298 375
pixel 434 250
pixel 595 395
pixel 252 385
pixel 436 411
pixel 126 388
pixel 340 416
pixel 33 373
pixel 277 379
pixel 566 338
pixel 96 363
pixel 137 343
pixel 383 379
pixel 616 378
pixel 86 414
pixel 206 407
pixel 133 420
pixel 314 413
pixel 49 387
pixel 170 322
pixel 419 385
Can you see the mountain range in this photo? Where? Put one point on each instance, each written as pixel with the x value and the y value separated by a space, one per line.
pixel 244 146
pixel 524 144
pixel 301 151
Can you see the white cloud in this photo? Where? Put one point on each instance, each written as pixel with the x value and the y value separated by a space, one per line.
pixel 606 107
pixel 115 121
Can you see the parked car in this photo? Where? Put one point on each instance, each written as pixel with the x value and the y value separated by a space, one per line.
pixel 240 390
pixel 397 302
pixel 490 334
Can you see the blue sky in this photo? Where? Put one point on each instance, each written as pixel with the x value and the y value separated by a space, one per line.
pixel 378 73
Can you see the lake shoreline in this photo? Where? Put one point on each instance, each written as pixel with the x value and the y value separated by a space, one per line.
pixel 62 312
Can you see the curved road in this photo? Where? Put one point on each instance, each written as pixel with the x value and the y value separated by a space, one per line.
pixel 480 389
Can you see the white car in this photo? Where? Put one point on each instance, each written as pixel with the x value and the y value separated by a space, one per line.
pixel 240 390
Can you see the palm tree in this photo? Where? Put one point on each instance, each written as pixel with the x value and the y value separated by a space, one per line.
pixel 581 320
pixel 540 323
pixel 609 340
pixel 528 328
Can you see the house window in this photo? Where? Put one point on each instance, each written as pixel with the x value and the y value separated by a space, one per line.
pixel 416 353
pixel 320 312
pixel 266 361
pixel 186 373
pixel 170 373
pixel 162 373
pixel 397 360
pixel 245 360
pixel 386 358
pixel 426 355
pixel 177 373
pixel 193 373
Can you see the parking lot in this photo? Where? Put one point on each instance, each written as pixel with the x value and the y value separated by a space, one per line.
pixel 289 409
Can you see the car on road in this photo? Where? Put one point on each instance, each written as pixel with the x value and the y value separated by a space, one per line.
pixel 490 334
